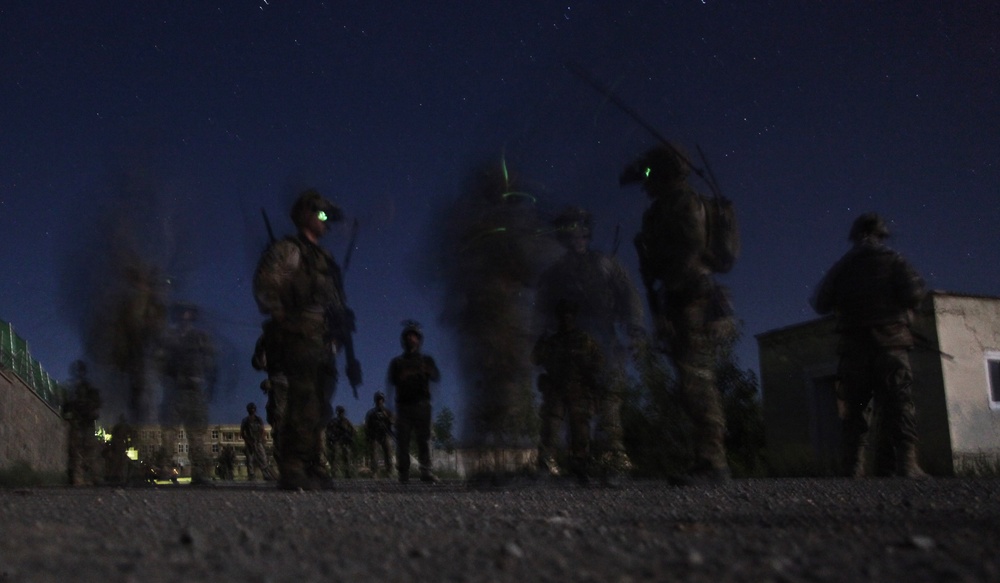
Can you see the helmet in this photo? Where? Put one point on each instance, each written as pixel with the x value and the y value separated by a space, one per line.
pixel 410 327
pixel 340 409
pixel 662 162
pixel 573 220
pixel 868 225
pixel 311 201
pixel 251 407
pixel 379 396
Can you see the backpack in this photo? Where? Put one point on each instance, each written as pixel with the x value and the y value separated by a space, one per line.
pixel 723 234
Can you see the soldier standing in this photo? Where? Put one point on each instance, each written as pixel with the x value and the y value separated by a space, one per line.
pixel 691 312
pixel 410 374
pixel 82 411
pixel 299 286
pixel 570 387
pixel 873 291
pixel 252 432
pixel 189 365
pixel 340 442
pixel 609 309
pixel 379 421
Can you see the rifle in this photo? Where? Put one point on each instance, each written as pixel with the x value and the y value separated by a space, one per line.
pixel 924 343
pixel 611 96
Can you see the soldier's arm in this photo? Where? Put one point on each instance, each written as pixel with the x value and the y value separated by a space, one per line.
pixel 909 287
pixel 272 276
pixel 430 367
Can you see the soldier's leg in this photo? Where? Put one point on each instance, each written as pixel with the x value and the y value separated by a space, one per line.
pixel 422 431
pixel 552 413
pixel 404 428
pixel 609 440
pixel 387 454
pixel 895 396
pixel 856 393
pixel 579 412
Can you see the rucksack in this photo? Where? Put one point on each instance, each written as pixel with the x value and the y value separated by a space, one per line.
pixel 723 234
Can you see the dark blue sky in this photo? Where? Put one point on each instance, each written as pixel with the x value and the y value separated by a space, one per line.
pixel 810 113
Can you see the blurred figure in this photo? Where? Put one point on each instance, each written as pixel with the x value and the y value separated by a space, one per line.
pixel 873 291
pixel 411 374
pixel 252 432
pixel 691 312
pixel 118 462
pixel 82 411
pixel 340 443
pixel 379 421
pixel 225 468
pixel 190 369
pixel 608 307
pixel 299 286
pixel 135 333
pixel 570 387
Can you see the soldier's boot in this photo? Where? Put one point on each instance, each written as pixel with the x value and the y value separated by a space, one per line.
pixel 547 466
pixel 859 468
pixel 427 476
pixel 907 465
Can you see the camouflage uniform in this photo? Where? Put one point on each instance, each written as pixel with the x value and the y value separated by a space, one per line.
pixel 570 387
pixel 299 285
pixel 378 432
pixel 275 387
pixel 609 309
pixel 82 411
pixel 411 374
pixel 691 312
pixel 340 443
pixel 252 432
pixel 873 291
pixel 190 366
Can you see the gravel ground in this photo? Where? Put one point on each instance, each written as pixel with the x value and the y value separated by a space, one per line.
pixel 749 530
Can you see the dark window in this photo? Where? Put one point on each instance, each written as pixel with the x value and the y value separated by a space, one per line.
pixel 993 370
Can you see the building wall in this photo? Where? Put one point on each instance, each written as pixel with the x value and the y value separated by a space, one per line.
pixel 795 406
pixel 30 429
pixel 968 328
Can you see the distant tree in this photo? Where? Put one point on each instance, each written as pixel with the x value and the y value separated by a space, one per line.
pixel 444 426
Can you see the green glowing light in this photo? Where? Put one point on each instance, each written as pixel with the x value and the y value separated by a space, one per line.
pixel 321 215
pixel 648 171
pixel 520 194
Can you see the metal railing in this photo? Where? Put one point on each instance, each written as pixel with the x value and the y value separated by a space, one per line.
pixel 15 357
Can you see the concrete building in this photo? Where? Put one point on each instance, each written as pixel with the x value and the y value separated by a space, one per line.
pixel 32 429
pixel 956 389
pixel 150 438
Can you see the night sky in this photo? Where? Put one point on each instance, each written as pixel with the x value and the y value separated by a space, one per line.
pixel 810 113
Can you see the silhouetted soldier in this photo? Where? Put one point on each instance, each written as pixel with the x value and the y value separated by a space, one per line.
pixel 570 388
pixel 253 434
pixel 873 291
pixel 299 286
pixel 379 421
pixel 340 442
pixel 411 374
pixel 690 310
pixel 82 411
pixel 609 309
pixel 118 461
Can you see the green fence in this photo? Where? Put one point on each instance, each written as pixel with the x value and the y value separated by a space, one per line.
pixel 15 356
